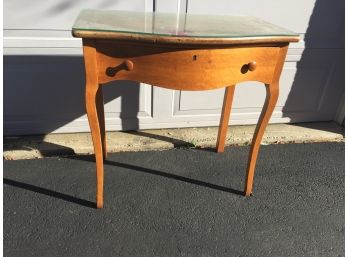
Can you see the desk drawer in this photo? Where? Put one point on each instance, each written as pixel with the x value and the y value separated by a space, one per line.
pixel 185 69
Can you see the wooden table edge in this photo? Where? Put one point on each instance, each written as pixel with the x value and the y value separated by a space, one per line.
pixel 136 37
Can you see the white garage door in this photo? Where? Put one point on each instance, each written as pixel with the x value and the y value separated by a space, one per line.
pixel 44 72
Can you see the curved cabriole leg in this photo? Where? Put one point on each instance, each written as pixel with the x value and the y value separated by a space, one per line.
pixel 91 97
pixel 101 118
pixel 93 100
pixel 224 119
pixel 271 100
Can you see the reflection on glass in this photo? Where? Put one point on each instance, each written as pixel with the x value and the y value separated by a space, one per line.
pixel 171 24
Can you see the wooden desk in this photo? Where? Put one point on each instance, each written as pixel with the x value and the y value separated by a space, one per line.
pixel 185 52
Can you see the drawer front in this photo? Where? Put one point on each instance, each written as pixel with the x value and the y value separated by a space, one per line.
pixel 185 69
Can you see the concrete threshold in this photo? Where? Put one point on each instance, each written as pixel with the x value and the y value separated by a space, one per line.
pixel 28 147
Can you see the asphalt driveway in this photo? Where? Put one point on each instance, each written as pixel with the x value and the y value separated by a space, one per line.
pixel 181 202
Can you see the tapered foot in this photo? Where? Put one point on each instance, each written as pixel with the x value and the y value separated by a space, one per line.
pixel 271 100
pixel 225 117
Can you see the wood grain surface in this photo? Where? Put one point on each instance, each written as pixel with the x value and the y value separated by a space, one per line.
pixel 185 69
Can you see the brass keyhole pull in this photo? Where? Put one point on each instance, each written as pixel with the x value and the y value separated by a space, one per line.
pixel 252 66
pixel 126 65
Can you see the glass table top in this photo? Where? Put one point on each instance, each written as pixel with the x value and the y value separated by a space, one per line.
pixel 173 25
